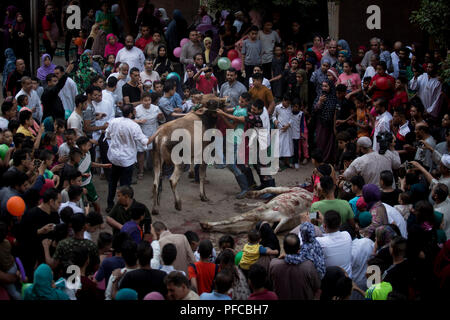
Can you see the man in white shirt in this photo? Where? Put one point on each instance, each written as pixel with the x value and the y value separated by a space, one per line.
pixel 429 87
pixel 34 102
pixel 148 73
pixel 122 78
pixel 395 58
pixel 336 245
pixel 75 193
pixel 123 135
pixel 105 107
pixel 382 122
pixel 75 120
pixel 68 92
pixel 130 54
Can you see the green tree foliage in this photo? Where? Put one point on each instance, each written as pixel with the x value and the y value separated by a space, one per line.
pixel 433 17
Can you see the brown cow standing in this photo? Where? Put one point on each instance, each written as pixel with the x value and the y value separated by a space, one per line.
pixel 163 147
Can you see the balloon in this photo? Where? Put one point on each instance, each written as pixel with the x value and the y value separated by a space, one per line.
pixel 21 269
pixel 15 206
pixel 172 75
pixel 232 54
pixel 224 63
pixel 25 286
pixel 177 52
pixel 236 64
pixel 3 150
pixel 383 83
pixel 183 42
pixel 238 258
pixel 67 114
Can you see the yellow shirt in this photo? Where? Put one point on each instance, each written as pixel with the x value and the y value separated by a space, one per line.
pixel 25 132
pixel 250 254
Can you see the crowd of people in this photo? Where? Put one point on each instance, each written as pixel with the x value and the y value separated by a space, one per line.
pixel 374 124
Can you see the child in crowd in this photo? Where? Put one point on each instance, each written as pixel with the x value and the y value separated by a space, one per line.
pixel 73 161
pixel 405 205
pixel 251 52
pixel 74 178
pixel 401 95
pixel 362 116
pixel 85 166
pixel 64 149
pixel 168 256
pixel 47 157
pixel 190 81
pixel 206 82
pixel 133 227
pixel 94 222
pixel 299 139
pixel 7 263
pixel 22 101
pixel 203 272
pixel 343 138
pixel 60 128
pixel 36 85
pixel 110 65
pixel 252 251
pixel 104 244
pixel 282 119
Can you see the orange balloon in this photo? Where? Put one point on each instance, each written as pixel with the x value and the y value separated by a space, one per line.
pixel 15 206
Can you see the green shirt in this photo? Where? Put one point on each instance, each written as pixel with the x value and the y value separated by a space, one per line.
pixel 338 205
pixel 101 16
pixel 239 112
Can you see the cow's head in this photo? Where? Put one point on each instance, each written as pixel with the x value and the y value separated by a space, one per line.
pixel 208 112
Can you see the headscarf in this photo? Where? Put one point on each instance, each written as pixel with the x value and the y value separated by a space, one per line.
pixel 161 64
pixel 49 124
pixel 10 19
pixel 42 289
pixel 207 51
pixel 10 64
pixel 310 249
pixel 43 71
pixel 326 113
pixel 84 73
pixel 164 17
pixel 112 49
pixel 371 194
pixel 384 235
pixel 268 237
pixel 334 74
pixel 126 294
pixel 345 47
pixel 176 29
pixel 20 26
pixel 155 295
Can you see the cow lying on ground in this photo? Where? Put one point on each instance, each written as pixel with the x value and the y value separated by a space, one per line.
pixel 163 146
pixel 284 209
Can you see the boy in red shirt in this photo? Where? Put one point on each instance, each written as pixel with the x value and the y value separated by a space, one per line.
pixel 203 272
pixel 206 83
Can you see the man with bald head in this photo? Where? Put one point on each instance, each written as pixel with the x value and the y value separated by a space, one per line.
pixel 331 55
pixel 13 83
pixel 132 55
pixel 374 50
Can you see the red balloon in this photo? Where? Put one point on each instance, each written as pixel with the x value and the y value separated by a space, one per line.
pixel 383 83
pixel 232 54
pixel 15 206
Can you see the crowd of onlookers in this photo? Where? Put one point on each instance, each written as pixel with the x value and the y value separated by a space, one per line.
pixel 373 122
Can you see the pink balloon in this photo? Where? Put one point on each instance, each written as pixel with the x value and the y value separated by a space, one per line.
pixel 236 64
pixel 177 52
pixel 183 42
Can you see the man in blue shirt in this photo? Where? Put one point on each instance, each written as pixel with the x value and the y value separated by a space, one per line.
pixel 222 283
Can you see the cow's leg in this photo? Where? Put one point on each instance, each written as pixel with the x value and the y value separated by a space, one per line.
pixel 281 224
pixel 273 190
pixel 202 173
pixel 191 174
pixel 173 183
pixel 156 182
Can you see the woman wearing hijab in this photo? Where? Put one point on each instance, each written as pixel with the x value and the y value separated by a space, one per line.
pixel 325 107
pixel 300 90
pixel 372 196
pixel 113 45
pixel 343 46
pixel 10 66
pixel 240 288
pixel 164 19
pixel 309 250
pixel 84 74
pixel 43 287
pixel 94 63
pixel 8 25
pixel 268 240
pixel 209 54
pixel 318 47
pixel 20 38
pixel 176 30
pixel 162 64
pixel 382 257
pixel 46 68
